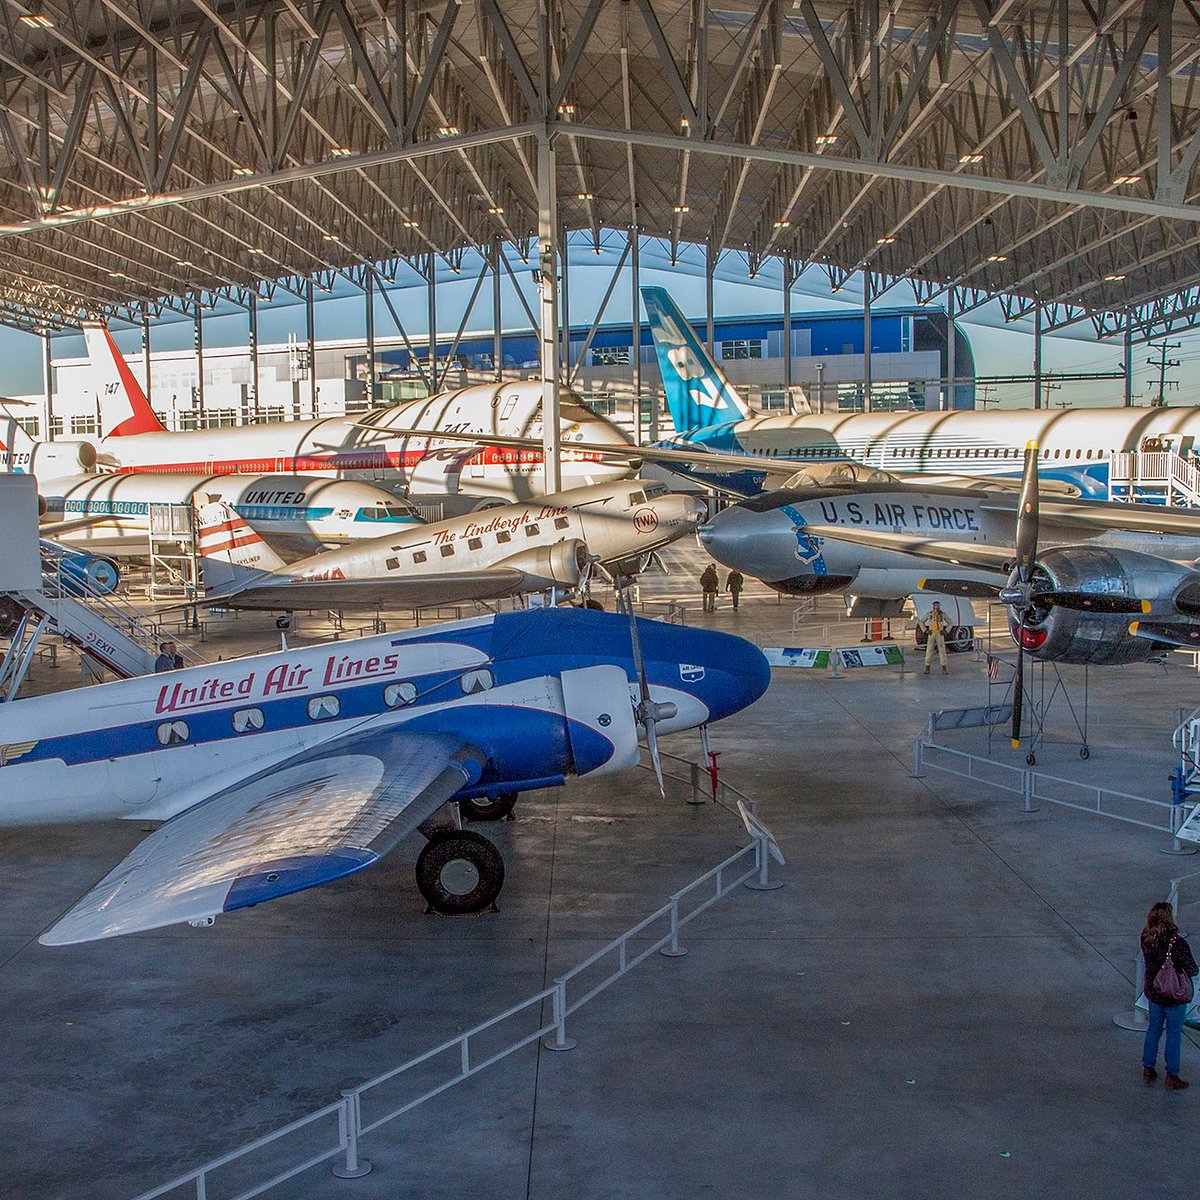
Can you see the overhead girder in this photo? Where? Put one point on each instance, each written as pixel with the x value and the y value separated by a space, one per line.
pixel 972 145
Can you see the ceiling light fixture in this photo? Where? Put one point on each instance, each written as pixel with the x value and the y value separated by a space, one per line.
pixel 966 159
pixel 1128 179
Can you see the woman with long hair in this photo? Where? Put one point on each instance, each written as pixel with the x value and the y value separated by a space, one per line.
pixel 1161 942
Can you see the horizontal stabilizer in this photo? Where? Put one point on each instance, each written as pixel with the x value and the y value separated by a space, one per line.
pixel 1173 633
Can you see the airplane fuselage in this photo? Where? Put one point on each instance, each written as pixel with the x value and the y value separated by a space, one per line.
pixel 1073 445
pixel 151 747
pixel 301 513
pixel 423 465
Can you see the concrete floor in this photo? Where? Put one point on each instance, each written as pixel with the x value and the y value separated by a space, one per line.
pixel 925 1006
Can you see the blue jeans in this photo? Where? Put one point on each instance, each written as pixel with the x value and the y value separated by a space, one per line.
pixel 1170 1015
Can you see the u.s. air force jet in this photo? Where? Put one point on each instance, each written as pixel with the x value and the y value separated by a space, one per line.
pixel 496 552
pixel 283 771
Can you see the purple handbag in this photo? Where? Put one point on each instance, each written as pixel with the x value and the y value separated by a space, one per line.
pixel 1171 983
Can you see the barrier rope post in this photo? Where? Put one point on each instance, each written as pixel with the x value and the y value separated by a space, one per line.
pixel 1135 1018
pixel 560 1041
pixel 349 1124
pixel 674 949
pixel 762 858
pixel 917 772
pixel 1027 793
pixel 697 797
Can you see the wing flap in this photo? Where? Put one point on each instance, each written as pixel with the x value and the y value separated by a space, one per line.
pixel 324 815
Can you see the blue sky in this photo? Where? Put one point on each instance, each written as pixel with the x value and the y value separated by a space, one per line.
pixel 998 348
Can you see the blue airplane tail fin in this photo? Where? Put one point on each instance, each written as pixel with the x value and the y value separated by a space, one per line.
pixel 698 393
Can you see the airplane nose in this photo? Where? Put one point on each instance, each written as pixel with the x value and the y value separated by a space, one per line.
pixel 761 544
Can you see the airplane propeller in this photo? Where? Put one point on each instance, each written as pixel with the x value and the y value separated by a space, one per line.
pixel 1027 590
pixel 647 711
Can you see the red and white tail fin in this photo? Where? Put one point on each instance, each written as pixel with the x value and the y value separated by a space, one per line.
pixel 234 554
pixel 124 408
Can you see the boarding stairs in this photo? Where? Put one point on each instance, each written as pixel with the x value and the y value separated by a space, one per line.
pixel 108 632
pixel 1154 477
pixel 1185 780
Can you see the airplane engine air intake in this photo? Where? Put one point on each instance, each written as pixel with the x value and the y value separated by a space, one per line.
pixel 1076 636
pixel 52 460
pixel 560 565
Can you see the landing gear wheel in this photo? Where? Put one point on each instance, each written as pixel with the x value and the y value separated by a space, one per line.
pixel 483 809
pixel 1031 758
pixel 460 871
pixel 1084 752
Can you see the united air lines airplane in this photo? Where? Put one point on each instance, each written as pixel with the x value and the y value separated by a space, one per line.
pixel 300 514
pixel 284 771
pixel 498 552
pixel 360 446
pixel 710 416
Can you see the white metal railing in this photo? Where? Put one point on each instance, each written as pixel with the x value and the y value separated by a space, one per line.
pixel 1157 470
pixel 1032 786
pixel 749 865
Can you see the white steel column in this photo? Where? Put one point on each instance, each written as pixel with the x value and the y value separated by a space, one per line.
pixel 787 330
pixel 252 314
pixel 48 384
pixel 310 337
pixel 950 350
pixel 198 347
pixel 1037 356
pixel 636 317
pixel 866 341
pixel 548 309
pixel 1129 359
pixel 369 301
pixel 497 327
pixel 146 353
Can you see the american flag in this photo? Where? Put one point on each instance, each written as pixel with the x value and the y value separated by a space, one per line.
pixel 993 668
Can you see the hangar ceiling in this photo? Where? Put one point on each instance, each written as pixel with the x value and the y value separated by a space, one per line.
pixel 160 152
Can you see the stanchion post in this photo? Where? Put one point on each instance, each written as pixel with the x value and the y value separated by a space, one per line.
pixel 697 797
pixel 762 856
pixel 917 771
pixel 1135 1019
pixel 834 659
pixel 1027 793
pixel 903 662
pixel 674 949
pixel 560 1041
pixel 349 1124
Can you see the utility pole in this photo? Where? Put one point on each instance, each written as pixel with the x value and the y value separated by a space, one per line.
pixel 1162 362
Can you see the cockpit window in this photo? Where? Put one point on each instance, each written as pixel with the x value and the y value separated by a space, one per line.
pixel 656 489
pixel 637 497
pixel 385 512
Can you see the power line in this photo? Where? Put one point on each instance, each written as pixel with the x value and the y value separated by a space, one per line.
pixel 1162 362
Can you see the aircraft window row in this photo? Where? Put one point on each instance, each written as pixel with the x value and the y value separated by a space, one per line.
pixel 446 551
pixel 503 537
pixel 475 543
pixel 323 707
pixel 532 530
pixel 248 720
pixel 420 556
pixel 561 522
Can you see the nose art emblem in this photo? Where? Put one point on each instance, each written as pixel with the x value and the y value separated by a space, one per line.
pixel 690 674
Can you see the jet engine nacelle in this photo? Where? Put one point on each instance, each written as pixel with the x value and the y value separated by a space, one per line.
pixel 1058 634
pixel 54 460
pixel 560 565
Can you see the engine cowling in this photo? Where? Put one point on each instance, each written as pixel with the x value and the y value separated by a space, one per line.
pixel 560 565
pixel 54 460
pixel 1058 634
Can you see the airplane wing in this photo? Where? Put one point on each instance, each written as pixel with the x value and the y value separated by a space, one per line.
pixel 327 813
pixel 1088 518
pixel 962 554
pixel 401 591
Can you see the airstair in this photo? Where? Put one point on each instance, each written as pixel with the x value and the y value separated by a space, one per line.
pixel 108 632
pixel 1185 779
pixel 1154 477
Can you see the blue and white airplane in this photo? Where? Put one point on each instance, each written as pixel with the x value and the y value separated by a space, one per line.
pixel 945 448
pixel 283 771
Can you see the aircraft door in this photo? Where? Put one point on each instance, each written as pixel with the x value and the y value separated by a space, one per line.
pixel 600 723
